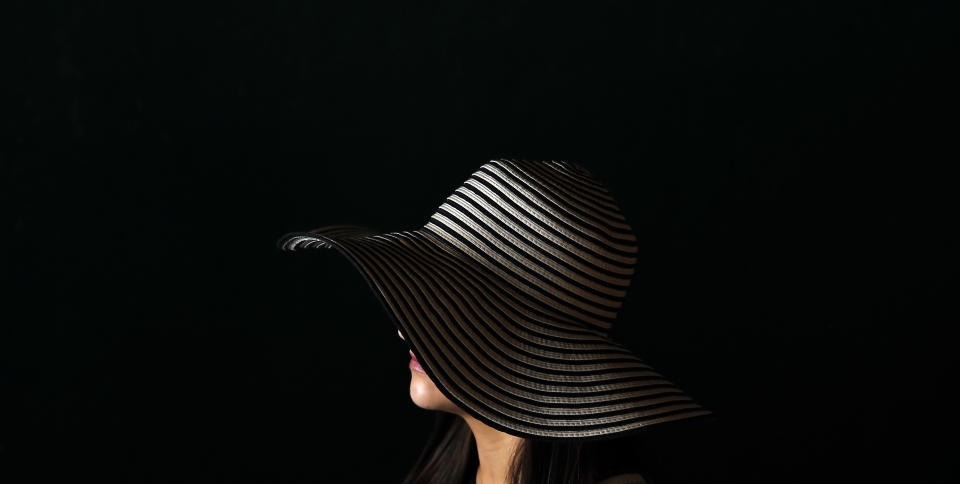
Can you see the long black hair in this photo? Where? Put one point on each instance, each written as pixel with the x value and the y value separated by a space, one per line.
pixel 450 455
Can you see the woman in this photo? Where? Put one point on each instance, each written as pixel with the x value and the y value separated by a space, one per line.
pixel 506 298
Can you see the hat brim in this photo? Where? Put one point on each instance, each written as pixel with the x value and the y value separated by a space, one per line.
pixel 510 360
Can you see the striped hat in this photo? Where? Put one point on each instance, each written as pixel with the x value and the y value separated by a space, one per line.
pixel 506 297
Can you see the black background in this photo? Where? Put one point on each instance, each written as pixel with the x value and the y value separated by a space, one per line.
pixel 782 163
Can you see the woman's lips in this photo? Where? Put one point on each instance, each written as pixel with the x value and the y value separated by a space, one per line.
pixel 414 364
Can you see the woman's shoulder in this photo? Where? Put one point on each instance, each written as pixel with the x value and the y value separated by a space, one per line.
pixel 628 478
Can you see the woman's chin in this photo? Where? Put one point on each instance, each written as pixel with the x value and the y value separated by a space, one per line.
pixel 425 394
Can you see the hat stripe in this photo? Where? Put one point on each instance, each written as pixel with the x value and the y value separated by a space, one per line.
pixel 534 219
pixel 562 224
pixel 561 202
pixel 583 273
pixel 566 200
pixel 575 173
pixel 509 258
pixel 603 319
pixel 611 236
pixel 543 240
pixel 559 171
pixel 543 235
pixel 600 200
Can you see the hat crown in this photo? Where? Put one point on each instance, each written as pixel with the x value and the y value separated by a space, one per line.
pixel 549 228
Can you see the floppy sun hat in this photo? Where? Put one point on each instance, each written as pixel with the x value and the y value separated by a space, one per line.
pixel 507 295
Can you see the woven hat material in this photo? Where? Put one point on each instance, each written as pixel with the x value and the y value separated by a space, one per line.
pixel 507 294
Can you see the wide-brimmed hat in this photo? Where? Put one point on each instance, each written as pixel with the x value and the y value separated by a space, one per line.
pixel 507 295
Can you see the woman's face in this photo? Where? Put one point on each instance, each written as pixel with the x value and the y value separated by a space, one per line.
pixel 425 394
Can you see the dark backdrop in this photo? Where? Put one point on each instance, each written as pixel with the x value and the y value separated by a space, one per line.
pixel 780 161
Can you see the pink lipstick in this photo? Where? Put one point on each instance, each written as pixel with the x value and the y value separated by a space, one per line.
pixel 414 364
